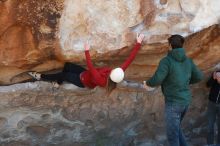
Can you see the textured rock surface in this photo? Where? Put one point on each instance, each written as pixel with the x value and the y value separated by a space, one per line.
pixel 27 36
pixel 41 34
pixel 38 114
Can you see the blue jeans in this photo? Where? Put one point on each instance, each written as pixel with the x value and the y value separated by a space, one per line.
pixel 174 115
pixel 212 113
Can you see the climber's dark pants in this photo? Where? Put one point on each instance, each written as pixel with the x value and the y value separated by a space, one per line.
pixel 71 73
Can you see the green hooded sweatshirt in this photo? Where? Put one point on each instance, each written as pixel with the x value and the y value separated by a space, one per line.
pixel 175 73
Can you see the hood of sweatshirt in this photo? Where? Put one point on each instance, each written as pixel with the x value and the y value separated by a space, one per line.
pixel 177 54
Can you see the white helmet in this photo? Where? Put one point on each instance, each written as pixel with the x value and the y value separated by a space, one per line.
pixel 117 75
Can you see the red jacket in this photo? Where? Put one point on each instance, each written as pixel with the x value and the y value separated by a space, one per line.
pixel 99 76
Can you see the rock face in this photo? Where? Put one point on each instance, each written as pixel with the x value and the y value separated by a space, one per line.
pixel 27 36
pixel 36 114
pixel 41 35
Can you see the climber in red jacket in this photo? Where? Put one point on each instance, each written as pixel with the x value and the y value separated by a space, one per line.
pixel 92 76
